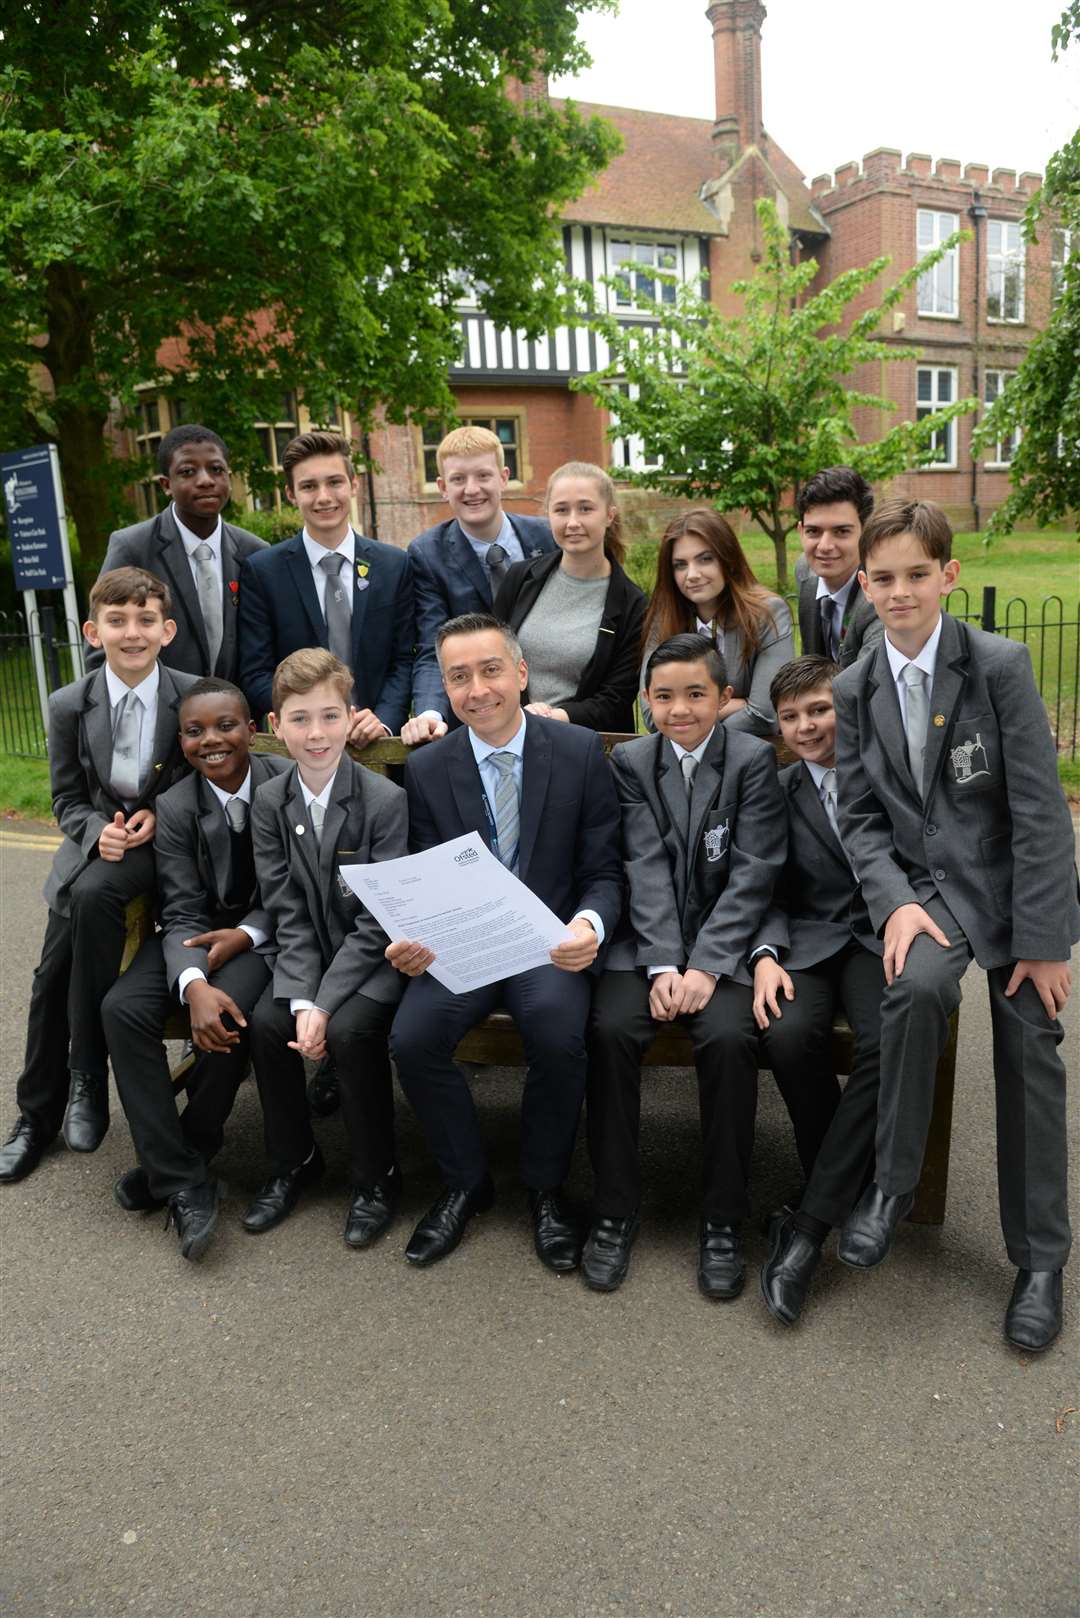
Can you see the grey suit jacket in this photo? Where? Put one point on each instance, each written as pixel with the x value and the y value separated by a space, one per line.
pixel 701 873
pixel 156 546
pixel 192 850
pixel 328 945
pixel 749 677
pixel 994 836
pixel 80 763
pixel 817 907
pixel 864 628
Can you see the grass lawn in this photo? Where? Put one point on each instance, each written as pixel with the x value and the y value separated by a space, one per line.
pixel 24 788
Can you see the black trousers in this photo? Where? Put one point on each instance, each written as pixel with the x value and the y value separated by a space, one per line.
pixel 356 1037
pixel 550 1008
pixel 724 1040
pixel 80 961
pixel 798 1048
pixel 174 1148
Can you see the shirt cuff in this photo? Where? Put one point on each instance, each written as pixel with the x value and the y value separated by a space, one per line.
pixel 765 949
pixel 190 974
pixel 256 934
pixel 594 921
pixel 305 1005
pixel 658 971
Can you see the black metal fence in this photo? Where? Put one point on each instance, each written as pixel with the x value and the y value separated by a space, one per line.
pixel 21 728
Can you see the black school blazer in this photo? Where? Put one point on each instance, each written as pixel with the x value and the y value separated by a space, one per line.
pixel 607 687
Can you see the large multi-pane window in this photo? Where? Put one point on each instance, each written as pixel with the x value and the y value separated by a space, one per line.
pixel 632 452
pixel 1005 448
pixel 1004 270
pixel 935 387
pixel 507 429
pixel 273 436
pixel 155 415
pixel 1064 248
pixel 938 289
pixel 633 266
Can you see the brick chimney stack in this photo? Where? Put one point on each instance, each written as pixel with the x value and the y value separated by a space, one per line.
pixel 736 26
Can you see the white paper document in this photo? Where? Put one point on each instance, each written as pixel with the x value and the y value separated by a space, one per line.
pixel 457 899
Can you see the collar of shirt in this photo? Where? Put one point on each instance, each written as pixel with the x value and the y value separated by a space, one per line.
pixel 697 752
pixel 506 537
pixel 818 772
pixel 193 541
pixel 243 791
pixel 146 690
pixel 316 552
pixel 483 750
pixel 842 596
pixel 925 660
pixel 322 797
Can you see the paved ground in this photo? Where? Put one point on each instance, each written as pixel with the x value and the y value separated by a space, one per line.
pixel 291 1430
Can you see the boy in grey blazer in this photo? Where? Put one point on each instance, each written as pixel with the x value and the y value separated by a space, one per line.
pixel 952 813
pixel 113 747
pixel 332 988
pixel 704 836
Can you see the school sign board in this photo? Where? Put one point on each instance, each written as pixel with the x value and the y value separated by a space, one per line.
pixel 40 553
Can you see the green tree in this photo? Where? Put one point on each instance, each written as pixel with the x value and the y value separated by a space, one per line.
pixel 1041 402
pixel 301 190
pixel 740 411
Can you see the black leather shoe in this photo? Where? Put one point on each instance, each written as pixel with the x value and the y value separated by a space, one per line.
pixel 443 1226
pixel 786 1274
pixel 1033 1318
pixel 606 1255
pixel 21 1152
pixel 721 1262
pixel 323 1094
pixel 194 1213
pixel 276 1200
pixel 372 1210
pixel 868 1231
pixel 557 1233
pixel 132 1191
pixel 86 1120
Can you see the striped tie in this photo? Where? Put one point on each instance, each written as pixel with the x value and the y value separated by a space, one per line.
pixel 507 812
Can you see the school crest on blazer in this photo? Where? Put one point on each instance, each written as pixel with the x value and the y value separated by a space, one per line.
pixel 969 761
pixel 717 839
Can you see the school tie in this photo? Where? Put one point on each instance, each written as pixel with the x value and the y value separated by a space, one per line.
pixel 127 741
pixel 507 809
pixel 209 587
pixel 828 799
pixel 236 813
pixel 318 815
pixel 688 764
pixel 497 563
pixel 915 719
pixel 830 639
pixel 336 608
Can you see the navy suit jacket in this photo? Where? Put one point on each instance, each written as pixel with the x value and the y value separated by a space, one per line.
pixel 280 613
pixel 568 852
pixel 449 581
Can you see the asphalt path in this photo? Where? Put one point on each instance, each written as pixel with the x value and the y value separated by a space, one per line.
pixel 293 1430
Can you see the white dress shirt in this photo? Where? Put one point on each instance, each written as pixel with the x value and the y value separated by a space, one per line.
pixel 256 934
pixel 925 660
pixel 840 599
pixel 697 753
pixel 192 543
pixel 147 693
pixel 707 630
pixel 323 800
pixel 347 576
pixel 506 537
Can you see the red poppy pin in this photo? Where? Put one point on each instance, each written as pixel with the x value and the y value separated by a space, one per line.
pixel 234 586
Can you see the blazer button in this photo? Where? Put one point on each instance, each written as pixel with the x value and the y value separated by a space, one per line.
pixel 930 828
pixel 939 875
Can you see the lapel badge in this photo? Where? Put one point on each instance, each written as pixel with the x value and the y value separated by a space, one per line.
pixel 362 583
pixel 300 831
pixel 361 570
pixel 969 760
pixel 158 766
pixel 234 586
pixel 716 842
pixel 939 720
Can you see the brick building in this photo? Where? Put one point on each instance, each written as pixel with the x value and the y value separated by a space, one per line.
pixel 680 197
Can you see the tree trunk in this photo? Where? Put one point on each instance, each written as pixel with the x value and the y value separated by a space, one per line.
pixel 87 486
pixel 778 534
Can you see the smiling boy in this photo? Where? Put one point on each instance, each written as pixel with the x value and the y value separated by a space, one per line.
pixel 835 619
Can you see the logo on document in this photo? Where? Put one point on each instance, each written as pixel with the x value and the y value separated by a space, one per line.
pixel 969 760
pixel 717 839
pixel 466 856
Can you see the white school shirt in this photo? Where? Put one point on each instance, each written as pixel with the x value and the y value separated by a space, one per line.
pixel 192 543
pixel 839 599
pixel 346 577
pixel 256 934
pixel 697 753
pixel 147 693
pixel 925 660
pixel 323 800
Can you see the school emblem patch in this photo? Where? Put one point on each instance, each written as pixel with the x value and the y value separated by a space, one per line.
pixel 969 760
pixel 717 839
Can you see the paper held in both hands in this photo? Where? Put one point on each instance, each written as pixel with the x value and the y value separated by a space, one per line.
pixel 480 922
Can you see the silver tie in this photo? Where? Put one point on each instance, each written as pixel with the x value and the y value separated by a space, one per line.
pixel 828 798
pixel 208 585
pixel 497 563
pixel 336 608
pixel 507 810
pixel 688 764
pixel 318 815
pixel 916 716
pixel 124 777
pixel 236 813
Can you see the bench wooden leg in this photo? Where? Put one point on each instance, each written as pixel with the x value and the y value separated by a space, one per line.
pixel 933 1187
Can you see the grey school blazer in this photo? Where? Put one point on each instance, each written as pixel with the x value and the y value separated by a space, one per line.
pixel 328 945
pixel 701 872
pixel 80 763
pixel 994 836
pixel 864 627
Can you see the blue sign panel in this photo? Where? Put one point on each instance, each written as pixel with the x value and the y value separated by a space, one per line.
pixel 33 518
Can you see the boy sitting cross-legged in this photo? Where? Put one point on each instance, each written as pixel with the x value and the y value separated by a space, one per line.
pixel 332 988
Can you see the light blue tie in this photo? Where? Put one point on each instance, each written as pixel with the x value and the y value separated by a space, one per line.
pixel 507 809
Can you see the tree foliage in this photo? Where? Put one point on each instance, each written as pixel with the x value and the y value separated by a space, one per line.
pixel 300 189
pixel 1041 401
pixel 740 411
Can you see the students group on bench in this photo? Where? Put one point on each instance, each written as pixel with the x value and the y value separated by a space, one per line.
pixel 921 825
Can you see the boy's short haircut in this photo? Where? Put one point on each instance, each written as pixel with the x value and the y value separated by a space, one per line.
pixel 302 671
pixel 478 623
pixel 834 485
pixel 469 440
pixel 123 584
pixel 921 518
pixel 212 685
pixel 317 442
pixel 801 676
pixel 689 648
pixel 189 433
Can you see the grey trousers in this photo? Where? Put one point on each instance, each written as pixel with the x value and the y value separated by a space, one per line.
pixel 1029 1080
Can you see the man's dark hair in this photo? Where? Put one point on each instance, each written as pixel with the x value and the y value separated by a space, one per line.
pixel 689 648
pixel 834 484
pixel 212 685
pixel 925 521
pixel 189 433
pixel 478 623
pixel 800 676
pixel 316 442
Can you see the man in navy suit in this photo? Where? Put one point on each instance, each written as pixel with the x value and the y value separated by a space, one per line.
pixel 459 565
pixel 541 795
pixel 329 586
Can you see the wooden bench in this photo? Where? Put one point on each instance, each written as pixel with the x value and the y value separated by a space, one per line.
pixel 495 1041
